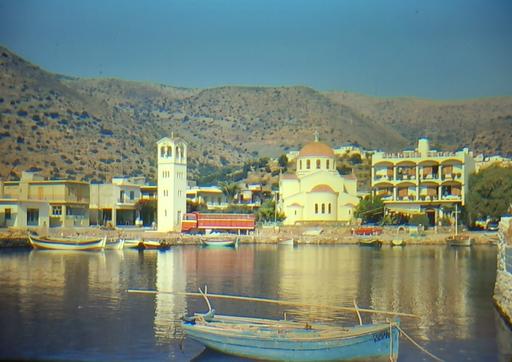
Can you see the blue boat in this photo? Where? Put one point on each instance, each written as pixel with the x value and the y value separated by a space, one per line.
pixel 281 340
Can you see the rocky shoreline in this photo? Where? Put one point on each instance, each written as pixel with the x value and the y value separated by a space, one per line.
pixel 503 287
pixel 10 238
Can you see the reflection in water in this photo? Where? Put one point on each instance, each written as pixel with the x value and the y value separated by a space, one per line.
pixel 76 306
pixel 169 307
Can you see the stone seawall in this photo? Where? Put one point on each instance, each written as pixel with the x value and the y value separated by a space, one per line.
pixel 503 287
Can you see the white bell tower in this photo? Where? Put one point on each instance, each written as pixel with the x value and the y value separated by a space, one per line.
pixel 172 183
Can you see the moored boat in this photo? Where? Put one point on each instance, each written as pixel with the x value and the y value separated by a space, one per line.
pixel 67 243
pixel 131 243
pixel 287 242
pixel 397 242
pixel 459 240
pixel 220 242
pixel 153 245
pixel 116 244
pixel 278 340
pixel 373 242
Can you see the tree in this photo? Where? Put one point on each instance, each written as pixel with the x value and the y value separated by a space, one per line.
pixel 267 212
pixel 283 162
pixel 489 194
pixel 230 190
pixel 370 210
pixel 147 210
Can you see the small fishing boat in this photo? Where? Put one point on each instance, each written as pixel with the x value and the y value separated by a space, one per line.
pixel 372 242
pixel 459 240
pixel 116 244
pixel 282 340
pixel 67 243
pixel 131 243
pixel 290 242
pixel 313 231
pixel 153 245
pixel 219 242
pixel 398 242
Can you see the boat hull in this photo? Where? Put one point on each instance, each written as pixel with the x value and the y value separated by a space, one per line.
pixel 375 243
pixel 370 342
pixel 220 243
pixel 67 244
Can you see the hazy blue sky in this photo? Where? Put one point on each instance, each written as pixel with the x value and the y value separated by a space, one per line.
pixel 427 48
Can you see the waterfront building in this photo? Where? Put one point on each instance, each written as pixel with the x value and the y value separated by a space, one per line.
pixel 422 181
pixel 35 202
pixel 211 197
pixel 172 183
pixel 115 203
pixel 316 192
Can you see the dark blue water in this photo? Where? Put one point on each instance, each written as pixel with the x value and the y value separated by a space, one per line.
pixel 75 305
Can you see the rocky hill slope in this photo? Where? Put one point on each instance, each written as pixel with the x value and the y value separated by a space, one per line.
pixel 93 129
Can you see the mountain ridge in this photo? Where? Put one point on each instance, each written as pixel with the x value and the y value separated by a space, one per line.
pixel 95 128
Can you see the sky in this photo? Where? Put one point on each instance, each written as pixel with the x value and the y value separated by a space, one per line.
pixel 439 49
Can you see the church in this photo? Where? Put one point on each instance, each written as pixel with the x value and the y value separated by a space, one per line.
pixel 316 192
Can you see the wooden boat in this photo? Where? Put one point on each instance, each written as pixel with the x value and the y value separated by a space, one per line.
pixel 131 243
pixel 290 242
pixel 376 243
pixel 397 242
pixel 459 240
pixel 116 244
pixel 219 242
pixel 153 245
pixel 266 339
pixel 67 243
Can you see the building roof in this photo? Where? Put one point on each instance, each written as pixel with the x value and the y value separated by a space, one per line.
pixel 322 188
pixel 316 149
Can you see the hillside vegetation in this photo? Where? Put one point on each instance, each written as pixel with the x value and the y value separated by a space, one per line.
pixel 93 129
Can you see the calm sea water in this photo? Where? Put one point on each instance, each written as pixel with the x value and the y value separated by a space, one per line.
pixel 75 306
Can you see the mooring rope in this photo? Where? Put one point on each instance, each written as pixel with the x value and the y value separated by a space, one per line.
pixel 417 345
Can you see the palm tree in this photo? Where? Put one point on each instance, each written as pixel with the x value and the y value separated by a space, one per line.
pixel 230 190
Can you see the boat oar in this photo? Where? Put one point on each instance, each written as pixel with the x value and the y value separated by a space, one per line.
pixel 274 301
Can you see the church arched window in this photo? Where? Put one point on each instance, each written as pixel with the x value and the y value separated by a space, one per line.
pixel 318 164
pixel 169 151
pixel 162 151
pixel 316 208
pixel 300 164
pixel 308 164
pixel 327 165
pixel 329 208
pixel 323 208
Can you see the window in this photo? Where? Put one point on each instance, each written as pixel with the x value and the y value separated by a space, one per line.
pixel 300 165
pixel 329 208
pixel 317 164
pixel 121 196
pixel 33 217
pixel 308 164
pixel 7 214
pixel 327 164
pixel 162 152
pixel 323 208
pixel 316 208
pixel 56 210
pixel 132 195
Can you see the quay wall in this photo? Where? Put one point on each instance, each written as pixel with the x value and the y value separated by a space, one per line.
pixel 503 287
pixel 330 234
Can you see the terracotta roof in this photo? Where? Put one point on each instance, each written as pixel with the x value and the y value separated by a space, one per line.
pixel 288 176
pixel 323 188
pixel 316 149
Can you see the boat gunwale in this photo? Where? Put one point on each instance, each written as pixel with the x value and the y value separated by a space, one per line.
pixel 323 332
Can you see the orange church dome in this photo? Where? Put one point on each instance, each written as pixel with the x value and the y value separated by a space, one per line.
pixel 316 149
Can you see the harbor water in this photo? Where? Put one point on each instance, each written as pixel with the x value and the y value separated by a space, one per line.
pixel 75 305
